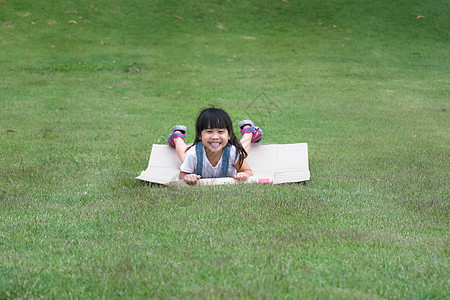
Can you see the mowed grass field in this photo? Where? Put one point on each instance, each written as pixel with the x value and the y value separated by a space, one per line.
pixel 87 87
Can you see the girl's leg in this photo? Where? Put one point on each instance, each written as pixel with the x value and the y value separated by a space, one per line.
pixel 246 140
pixel 176 140
pixel 180 147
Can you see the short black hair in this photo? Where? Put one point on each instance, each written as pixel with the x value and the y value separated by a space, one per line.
pixel 211 118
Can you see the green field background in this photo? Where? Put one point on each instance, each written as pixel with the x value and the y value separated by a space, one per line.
pixel 87 87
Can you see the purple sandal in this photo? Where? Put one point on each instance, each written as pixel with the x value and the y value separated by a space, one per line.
pixel 173 135
pixel 256 131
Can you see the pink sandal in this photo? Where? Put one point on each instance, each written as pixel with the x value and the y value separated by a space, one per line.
pixel 181 133
pixel 256 131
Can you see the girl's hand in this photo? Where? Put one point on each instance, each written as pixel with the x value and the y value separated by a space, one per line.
pixel 191 179
pixel 243 172
pixel 241 177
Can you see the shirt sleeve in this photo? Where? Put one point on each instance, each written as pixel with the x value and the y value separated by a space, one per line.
pixel 190 162
pixel 233 161
pixel 233 157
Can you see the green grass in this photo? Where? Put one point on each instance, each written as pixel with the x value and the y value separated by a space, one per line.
pixel 364 83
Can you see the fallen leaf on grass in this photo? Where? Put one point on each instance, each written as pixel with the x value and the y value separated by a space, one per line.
pixel 72 22
pixel 24 15
pixel 248 37
pixel 51 22
pixel 420 17
pixel 179 18
pixel 10 130
pixel 221 26
pixel 230 60
pixel 131 70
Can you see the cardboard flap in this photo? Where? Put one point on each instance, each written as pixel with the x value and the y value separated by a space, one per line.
pixel 282 163
pixel 263 159
pixel 159 175
pixel 164 156
pixel 287 177
pixel 292 157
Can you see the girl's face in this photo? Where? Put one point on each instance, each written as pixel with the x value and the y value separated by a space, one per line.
pixel 214 139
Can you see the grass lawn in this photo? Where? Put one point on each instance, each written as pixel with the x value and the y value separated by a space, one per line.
pixel 86 88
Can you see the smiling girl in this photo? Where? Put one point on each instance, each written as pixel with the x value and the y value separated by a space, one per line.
pixel 216 151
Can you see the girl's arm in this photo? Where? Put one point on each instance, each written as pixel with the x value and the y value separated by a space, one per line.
pixel 189 178
pixel 243 172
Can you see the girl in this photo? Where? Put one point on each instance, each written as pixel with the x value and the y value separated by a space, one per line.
pixel 216 151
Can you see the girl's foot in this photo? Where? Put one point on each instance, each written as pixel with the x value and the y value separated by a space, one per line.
pixel 178 131
pixel 247 126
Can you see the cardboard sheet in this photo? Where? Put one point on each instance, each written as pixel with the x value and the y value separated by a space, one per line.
pixel 270 163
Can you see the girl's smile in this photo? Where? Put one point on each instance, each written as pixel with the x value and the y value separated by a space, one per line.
pixel 215 139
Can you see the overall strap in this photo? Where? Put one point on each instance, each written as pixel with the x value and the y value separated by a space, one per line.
pixel 225 160
pixel 199 153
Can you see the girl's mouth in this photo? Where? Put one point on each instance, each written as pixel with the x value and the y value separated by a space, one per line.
pixel 215 144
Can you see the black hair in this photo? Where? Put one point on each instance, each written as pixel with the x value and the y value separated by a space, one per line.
pixel 212 118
